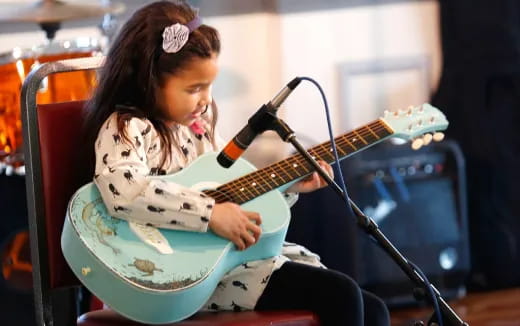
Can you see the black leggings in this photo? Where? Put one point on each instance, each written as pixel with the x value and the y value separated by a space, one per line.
pixel 333 296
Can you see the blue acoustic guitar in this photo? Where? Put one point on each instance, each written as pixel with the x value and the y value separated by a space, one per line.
pixel 161 276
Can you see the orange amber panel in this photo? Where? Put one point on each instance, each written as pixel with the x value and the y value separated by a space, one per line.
pixel 59 87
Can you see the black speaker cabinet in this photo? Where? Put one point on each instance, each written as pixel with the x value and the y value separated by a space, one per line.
pixel 418 199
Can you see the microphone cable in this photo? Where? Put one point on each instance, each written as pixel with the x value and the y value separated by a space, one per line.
pixel 349 208
pixel 333 143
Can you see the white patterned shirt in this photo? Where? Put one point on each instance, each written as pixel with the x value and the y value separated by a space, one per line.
pixel 122 175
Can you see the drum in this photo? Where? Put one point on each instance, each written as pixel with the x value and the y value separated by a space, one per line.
pixel 14 68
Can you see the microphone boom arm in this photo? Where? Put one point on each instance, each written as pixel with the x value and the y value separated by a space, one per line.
pixel 448 315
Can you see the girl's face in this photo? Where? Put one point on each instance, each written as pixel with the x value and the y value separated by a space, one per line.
pixel 184 95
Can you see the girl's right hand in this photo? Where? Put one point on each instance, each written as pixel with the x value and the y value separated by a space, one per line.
pixel 241 227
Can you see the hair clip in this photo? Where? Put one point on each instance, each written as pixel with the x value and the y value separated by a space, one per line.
pixel 176 35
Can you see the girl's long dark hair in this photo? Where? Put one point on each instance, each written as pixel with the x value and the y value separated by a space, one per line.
pixel 136 66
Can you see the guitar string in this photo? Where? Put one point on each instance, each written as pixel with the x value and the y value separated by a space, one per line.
pixel 321 150
pixel 342 140
pixel 318 151
pixel 250 181
pixel 244 183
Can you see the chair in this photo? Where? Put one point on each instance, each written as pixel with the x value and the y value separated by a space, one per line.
pixel 51 136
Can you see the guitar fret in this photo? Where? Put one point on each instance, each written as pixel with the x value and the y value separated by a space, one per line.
pixel 338 148
pixel 370 130
pixel 273 174
pixel 300 164
pixel 284 170
pixel 267 182
pixel 346 137
pixel 382 128
pixel 243 188
pixel 241 196
pixel 251 186
pixel 231 194
pixel 358 135
pixel 305 165
pixel 294 166
pixel 314 155
pixel 326 151
pixel 290 172
pixel 254 183
pixel 370 136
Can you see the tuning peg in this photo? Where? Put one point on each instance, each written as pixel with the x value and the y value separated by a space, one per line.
pixel 438 136
pixel 409 111
pixel 417 143
pixel 427 139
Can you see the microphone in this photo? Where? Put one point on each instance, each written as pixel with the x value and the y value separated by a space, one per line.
pixel 243 139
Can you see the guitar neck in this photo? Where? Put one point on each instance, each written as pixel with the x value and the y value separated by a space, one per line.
pixel 257 183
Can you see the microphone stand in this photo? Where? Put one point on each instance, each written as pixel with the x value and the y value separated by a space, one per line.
pixel 267 120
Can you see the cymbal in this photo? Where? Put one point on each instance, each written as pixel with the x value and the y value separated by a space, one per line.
pixel 50 11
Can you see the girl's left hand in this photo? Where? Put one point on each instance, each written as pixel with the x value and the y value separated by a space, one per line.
pixel 313 181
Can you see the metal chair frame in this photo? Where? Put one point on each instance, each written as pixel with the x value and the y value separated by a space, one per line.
pixel 34 186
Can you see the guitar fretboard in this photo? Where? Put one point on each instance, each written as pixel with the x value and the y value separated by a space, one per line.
pixel 257 183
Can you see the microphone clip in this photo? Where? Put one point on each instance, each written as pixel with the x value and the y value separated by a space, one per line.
pixel 266 119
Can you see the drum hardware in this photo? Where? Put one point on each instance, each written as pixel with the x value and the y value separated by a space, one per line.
pixel 16 261
pixel 61 87
pixel 16 65
pixel 13 165
pixel 51 11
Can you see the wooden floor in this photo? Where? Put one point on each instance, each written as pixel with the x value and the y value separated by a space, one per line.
pixel 498 308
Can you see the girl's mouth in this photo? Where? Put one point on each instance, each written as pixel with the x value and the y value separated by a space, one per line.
pixel 197 113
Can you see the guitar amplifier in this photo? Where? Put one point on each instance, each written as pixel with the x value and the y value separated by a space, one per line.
pixel 418 199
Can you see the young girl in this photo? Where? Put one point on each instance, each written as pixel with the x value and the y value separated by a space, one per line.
pixel 153 114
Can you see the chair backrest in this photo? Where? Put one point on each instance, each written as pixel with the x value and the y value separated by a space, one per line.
pixel 52 136
pixel 59 131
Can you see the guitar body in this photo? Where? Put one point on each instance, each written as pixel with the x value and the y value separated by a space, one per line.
pixel 138 281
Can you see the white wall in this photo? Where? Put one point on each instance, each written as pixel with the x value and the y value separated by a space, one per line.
pixel 262 52
pixel 318 45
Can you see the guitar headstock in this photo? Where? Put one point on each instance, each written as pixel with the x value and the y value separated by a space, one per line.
pixel 420 123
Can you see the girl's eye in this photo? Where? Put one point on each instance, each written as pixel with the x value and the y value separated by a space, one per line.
pixel 194 90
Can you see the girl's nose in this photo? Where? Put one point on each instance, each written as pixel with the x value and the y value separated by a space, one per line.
pixel 206 98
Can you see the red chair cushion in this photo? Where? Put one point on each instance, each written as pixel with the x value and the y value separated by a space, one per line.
pixel 60 126
pixel 252 318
